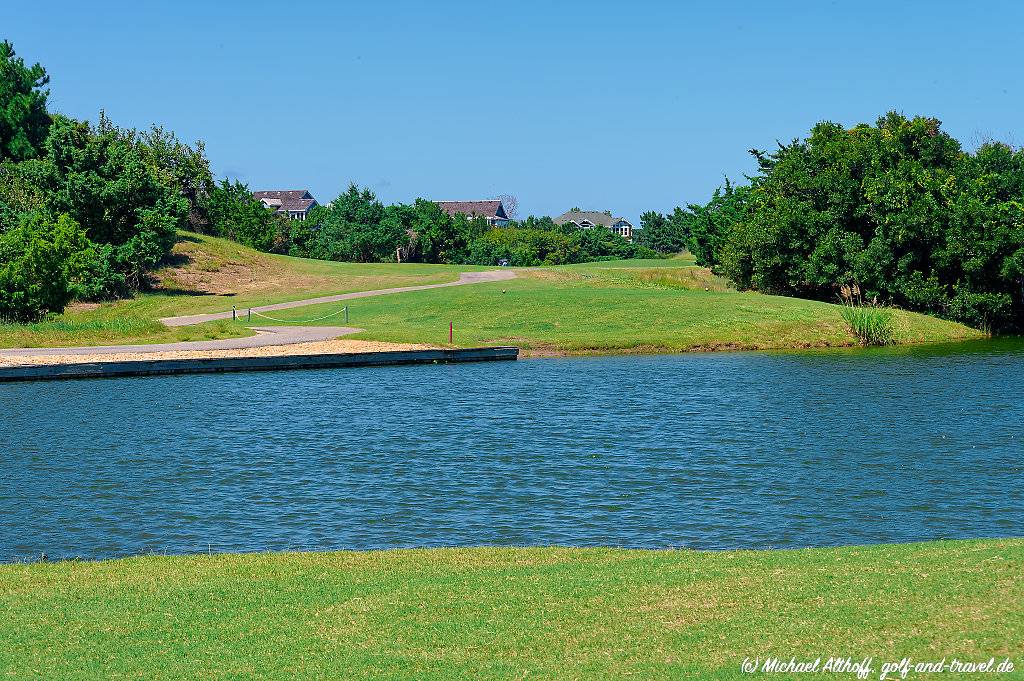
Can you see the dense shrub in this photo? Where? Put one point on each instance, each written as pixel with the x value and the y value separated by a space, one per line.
pixel 40 258
pixel 526 247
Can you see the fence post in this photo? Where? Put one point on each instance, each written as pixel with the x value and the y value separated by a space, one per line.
pixel 346 314
pixel 250 314
pixel 451 332
pixel 234 313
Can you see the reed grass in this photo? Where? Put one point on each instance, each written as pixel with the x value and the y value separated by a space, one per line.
pixel 872 324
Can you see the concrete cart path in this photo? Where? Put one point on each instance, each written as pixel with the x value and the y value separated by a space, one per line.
pixel 464 278
pixel 265 336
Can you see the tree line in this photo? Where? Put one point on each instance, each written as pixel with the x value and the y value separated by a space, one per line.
pixel 87 211
pixel 896 213
pixel 357 227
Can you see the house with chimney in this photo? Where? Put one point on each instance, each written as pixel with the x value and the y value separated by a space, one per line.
pixel 490 210
pixel 291 203
pixel 588 219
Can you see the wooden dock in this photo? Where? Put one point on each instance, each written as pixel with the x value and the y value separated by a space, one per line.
pixel 162 367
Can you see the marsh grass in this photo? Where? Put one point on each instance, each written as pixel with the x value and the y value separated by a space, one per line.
pixel 872 324
pixel 686 278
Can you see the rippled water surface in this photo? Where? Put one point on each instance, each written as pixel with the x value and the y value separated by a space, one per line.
pixel 704 450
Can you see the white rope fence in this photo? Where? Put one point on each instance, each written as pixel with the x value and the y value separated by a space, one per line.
pixel 344 311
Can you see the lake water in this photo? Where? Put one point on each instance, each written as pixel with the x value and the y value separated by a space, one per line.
pixel 708 451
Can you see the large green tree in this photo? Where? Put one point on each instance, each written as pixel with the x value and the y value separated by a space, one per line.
pixel 233 212
pixel 23 117
pixel 356 227
pixel 661 233
pixel 112 184
pixel 704 227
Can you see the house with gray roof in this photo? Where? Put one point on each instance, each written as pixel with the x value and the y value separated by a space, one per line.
pixel 292 203
pixel 588 219
pixel 491 210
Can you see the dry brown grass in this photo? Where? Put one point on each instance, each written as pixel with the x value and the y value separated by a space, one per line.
pixel 687 278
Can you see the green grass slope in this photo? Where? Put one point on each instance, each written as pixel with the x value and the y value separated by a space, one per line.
pixel 614 307
pixel 510 613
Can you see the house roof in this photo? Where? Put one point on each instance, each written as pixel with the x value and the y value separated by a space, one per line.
pixel 286 199
pixel 485 209
pixel 595 217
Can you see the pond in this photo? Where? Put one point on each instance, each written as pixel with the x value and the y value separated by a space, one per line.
pixel 709 451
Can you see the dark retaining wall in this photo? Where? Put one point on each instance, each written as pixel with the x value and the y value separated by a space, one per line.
pixel 219 364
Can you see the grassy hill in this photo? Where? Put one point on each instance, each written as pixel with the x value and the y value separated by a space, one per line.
pixel 510 613
pixel 622 306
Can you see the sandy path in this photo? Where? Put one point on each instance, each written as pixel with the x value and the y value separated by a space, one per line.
pixel 328 347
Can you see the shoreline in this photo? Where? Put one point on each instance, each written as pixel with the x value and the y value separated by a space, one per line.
pixel 735 348
pixel 206 365
pixel 54 356
pixel 285 553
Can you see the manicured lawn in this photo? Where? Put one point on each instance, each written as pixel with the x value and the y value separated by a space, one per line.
pixel 615 307
pixel 509 613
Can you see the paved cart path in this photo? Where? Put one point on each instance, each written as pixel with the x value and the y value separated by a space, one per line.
pixel 464 278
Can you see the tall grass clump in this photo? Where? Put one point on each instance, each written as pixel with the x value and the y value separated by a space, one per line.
pixel 871 324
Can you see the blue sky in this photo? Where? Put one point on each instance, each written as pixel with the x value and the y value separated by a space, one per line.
pixel 610 106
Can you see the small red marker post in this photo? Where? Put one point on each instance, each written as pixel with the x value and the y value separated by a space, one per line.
pixel 451 332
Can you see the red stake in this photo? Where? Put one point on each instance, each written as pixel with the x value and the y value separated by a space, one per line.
pixel 451 332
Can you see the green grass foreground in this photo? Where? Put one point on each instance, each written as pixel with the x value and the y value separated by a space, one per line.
pixel 509 613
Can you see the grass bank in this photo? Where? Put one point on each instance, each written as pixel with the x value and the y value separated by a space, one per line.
pixel 509 613
pixel 616 307
pixel 606 307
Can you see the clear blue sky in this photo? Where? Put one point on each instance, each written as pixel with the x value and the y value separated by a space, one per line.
pixel 619 106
